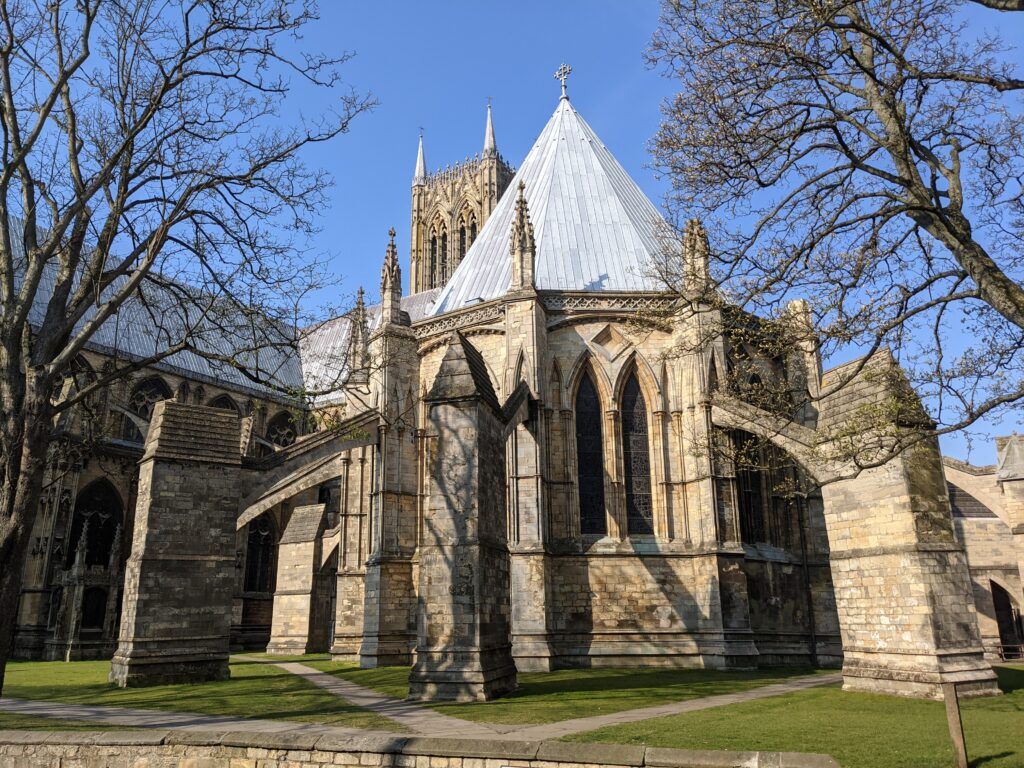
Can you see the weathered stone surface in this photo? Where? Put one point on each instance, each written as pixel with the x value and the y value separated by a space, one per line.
pixel 176 616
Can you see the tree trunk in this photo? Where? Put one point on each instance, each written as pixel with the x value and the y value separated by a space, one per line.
pixel 24 481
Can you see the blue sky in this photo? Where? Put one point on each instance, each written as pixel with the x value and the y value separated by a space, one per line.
pixel 432 65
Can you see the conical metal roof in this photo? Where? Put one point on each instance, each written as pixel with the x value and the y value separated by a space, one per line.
pixel 595 229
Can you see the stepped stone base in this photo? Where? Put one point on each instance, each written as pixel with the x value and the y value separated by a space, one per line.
pixel 136 672
pixel 919 676
pixel 452 675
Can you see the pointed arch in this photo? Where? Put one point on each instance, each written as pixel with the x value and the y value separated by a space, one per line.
pixel 589 413
pixel 224 402
pixel 586 362
pixel 99 516
pixel 636 364
pixel 712 378
pixel 555 386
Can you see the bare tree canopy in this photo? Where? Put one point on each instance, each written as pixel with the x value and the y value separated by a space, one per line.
pixel 151 167
pixel 867 156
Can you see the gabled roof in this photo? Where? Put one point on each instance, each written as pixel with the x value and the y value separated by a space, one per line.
pixel 595 229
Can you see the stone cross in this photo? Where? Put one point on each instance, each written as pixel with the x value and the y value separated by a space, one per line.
pixel 562 73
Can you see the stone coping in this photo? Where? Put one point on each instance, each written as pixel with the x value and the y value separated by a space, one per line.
pixel 541 751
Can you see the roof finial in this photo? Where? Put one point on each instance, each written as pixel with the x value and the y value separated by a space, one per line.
pixel 562 73
pixel 490 145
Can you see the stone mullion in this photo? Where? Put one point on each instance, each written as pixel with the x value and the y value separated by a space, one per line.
pixel 617 510
pixel 572 516
pixel 682 503
pixel 660 504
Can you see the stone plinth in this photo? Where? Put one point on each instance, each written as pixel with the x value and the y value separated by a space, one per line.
pixel 180 576
pixel 463 647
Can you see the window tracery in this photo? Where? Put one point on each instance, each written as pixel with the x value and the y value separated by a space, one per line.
pixel 637 460
pixel 146 394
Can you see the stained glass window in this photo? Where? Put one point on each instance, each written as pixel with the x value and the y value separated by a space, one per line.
pixel 146 394
pixel 590 459
pixel 636 457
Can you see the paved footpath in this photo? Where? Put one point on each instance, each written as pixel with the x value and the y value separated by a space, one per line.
pixel 411 717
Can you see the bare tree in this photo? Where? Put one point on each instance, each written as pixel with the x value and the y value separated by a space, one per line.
pixel 867 156
pixel 151 176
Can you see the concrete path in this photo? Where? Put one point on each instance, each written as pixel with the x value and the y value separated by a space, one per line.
pixel 565 727
pixel 411 716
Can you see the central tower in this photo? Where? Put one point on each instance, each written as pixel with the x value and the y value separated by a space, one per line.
pixel 448 209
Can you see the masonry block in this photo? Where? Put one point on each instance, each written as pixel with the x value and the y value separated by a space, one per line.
pixel 180 576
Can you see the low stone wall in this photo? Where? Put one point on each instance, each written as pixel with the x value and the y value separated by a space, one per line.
pixel 196 749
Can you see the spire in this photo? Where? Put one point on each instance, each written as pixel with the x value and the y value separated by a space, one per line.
pixel 524 248
pixel 419 176
pixel 391 283
pixel 490 145
pixel 696 255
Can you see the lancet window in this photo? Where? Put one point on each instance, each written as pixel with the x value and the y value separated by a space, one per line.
pixel 636 458
pixel 590 459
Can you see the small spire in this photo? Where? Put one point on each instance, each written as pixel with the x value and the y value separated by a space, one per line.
pixel 523 246
pixel 562 73
pixel 419 176
pixel 490 145
pixel 696 255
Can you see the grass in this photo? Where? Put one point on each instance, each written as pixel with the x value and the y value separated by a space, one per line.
pixel 548 697
pixel 255 690
pixel 859 730
pixel 9 721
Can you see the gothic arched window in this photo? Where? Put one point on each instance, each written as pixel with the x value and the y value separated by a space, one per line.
pixel 281 430
pixel 224 403
pixel 472 231
pixel 98 513
pixel 261 555
pixel 444 257
pixel 146 394
pixel 590 459
pixel 462 241
pixel 636 457
pixel 432 277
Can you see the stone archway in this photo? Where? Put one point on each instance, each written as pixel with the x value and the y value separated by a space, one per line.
pixel 902 586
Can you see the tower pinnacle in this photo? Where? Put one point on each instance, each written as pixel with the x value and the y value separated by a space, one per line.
pixel 419 176
pixel 490 145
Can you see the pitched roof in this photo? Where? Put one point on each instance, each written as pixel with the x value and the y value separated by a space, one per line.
pixel 595 229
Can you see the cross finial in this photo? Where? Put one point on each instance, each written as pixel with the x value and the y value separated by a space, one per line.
pixel 562 73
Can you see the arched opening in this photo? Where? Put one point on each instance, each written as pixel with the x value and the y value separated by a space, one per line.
pixel 224 403
pixel 590 459
pixel 100 514
pixel 472 231
pixel 636 458
pixel 1008 618
pixel 769 486
pixel 261 555
pixel 94 608
pixel 462 240
pixel 444 257
pixel 432 277
pixel 281 430
pixel 145 395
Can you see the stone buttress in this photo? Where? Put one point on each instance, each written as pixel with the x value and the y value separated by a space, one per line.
pixel 180 576
pixel 297 627
pixel 390 584
pixel 463 648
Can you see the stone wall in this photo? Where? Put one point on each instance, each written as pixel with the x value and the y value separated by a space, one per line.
pixel 196 749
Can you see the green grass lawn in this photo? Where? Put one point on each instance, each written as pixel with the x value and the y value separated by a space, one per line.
pixel 255 690
pixel 859 730
pixel 10 721
pixel 547 697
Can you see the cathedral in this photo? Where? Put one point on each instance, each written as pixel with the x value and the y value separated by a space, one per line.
pixel 513 470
